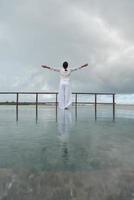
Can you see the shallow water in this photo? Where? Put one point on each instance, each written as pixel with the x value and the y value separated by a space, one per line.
pixel 66 147
pixel 65 143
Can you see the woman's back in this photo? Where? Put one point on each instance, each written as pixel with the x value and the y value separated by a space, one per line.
pixel 65 74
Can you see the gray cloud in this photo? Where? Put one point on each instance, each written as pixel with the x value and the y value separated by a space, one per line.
pixel 99 32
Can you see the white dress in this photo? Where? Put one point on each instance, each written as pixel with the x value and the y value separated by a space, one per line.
pixel 65 93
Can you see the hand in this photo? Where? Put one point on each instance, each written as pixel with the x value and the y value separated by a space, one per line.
pixel 44 66
pixel 85 65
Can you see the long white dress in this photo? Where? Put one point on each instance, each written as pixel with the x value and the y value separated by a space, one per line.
pixel 65 93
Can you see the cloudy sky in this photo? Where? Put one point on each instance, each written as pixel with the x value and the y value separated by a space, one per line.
pixel 35 32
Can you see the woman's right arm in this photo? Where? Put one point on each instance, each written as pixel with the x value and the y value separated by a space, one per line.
pixel 51 68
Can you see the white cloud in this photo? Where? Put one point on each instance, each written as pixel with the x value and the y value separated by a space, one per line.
pixel 33 32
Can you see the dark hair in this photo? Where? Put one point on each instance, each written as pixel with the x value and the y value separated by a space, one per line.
pixel 65 65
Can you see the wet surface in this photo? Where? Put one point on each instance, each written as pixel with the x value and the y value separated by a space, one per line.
pixel 111 184
pixel 66 158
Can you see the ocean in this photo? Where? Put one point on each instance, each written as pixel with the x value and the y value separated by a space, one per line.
pixel 69 153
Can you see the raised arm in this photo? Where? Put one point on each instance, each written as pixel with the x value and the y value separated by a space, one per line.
pixel 75 69
pixel 51 68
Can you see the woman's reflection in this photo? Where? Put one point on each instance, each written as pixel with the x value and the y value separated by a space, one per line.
pixel 64 129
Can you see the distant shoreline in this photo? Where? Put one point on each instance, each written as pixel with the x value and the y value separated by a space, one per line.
pixel 54 103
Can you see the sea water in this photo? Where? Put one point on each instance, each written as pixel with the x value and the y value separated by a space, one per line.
pixel 66 143
pixel 69 154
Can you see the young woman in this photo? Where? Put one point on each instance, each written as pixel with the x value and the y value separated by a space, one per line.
pixel 64 94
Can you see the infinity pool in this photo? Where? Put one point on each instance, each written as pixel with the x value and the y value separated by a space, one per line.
pixel 79 146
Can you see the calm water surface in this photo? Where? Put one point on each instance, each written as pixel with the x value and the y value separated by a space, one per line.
pixel 66 143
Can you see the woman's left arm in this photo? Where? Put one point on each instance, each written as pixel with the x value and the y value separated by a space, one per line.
pixel 75 69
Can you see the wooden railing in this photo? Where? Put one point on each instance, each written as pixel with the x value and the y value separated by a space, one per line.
pixel 56 100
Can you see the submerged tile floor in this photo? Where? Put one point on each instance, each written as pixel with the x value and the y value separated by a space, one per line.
pixel 111 184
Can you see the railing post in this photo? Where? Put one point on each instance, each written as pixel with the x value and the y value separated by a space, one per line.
pixel 36 106
pixel 76 106
pixel 56 104
pixel 113 106
pixel 95 106
pixel 17 103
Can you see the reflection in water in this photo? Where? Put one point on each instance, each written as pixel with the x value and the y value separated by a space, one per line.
pixel 64 123
pixel 64 128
